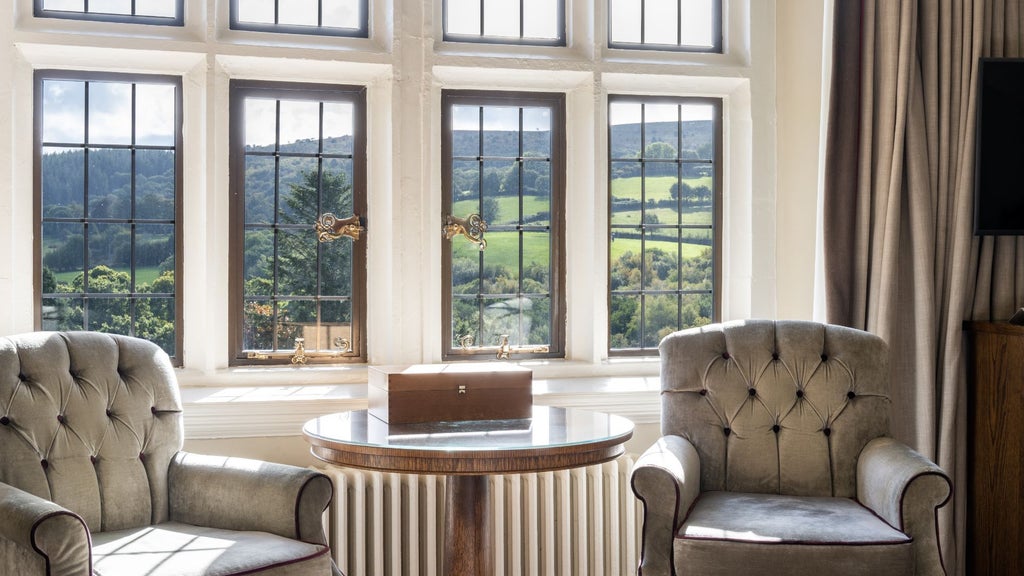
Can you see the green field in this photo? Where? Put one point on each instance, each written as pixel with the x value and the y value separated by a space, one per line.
pixel 508 208
pixel 658 187
pixel 503 247
pixel 622 245
pixel 142 275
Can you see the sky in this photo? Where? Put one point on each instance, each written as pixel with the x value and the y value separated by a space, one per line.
pixel 110 112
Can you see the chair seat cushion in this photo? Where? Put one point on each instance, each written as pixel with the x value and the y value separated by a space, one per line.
pixel 175 549
pixel 731 532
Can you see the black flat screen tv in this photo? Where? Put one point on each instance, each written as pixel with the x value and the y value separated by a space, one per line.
pixel 999 160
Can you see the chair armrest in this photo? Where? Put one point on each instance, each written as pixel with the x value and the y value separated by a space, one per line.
pixel 666 478
pixel 241 494
pixel 905 489
pixel 58 536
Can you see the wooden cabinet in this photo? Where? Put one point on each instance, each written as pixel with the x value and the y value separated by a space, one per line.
pixel 995 442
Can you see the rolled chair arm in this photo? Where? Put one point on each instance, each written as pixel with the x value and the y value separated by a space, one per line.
pixel 905 489
pixel 241 494
pixel 58 536
pixel 666 478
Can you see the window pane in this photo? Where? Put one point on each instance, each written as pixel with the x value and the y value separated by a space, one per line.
pixel 62 314
pixel 625 120
pixel 501 193
pixel 625 20
pixel 109 207
pixel 160 329
pixel 536 132
pixel 296 262
pixel 111 6
pixel 506 21
pixel 501 131
pixel 69 5
pixel 501 316
pixel 540 19
pixel 661 317
pixel 680 25
pixel 338 128
pixel 341 13
pixel 63 257
pixel 300 126
pixel 63 182
pixel 154 256
pixel 110 183
pixel 697 22
pixel 161 8
pixel 154 184
pixel 335 268
pixel 466 131
pixel 110 315
pixel 63 111
pixel 698 140
pixel 322 17
pixel 299 191
pixel 697 271
pixel 536 193
pixel 300 13
pixel 536 263
pixel 661 18
pixel 154 115
pixel 260 123
pixel 300 153
pixel 506 289
pixel 624 322
pixel 662 219
pixel 336 194
pixel 259 318
pixel 110 113
pixel 259 11
pixel 110 249
pixel 464 16
pixel 501 18
pixel 164 12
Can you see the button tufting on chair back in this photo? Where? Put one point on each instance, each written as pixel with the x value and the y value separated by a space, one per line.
pixel 89 421
pixel 776 407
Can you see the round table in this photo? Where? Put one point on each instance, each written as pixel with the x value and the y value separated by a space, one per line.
pixel 466 452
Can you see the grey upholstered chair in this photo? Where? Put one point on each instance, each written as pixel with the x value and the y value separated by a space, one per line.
pixel 774 458
pixel 93 481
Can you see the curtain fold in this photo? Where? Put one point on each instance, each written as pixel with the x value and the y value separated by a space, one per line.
pixel 900 256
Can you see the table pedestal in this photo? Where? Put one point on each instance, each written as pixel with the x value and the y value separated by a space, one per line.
pixel 467 527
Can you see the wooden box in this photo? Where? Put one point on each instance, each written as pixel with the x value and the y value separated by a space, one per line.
pixel 450 392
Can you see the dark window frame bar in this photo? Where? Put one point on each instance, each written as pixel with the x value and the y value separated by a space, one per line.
pixel 715 227
pixel 362 31
pixel 240 90
pixel 132 295
pixel 717 33
pixel 177 20
pixel 556 103
pixel 481 38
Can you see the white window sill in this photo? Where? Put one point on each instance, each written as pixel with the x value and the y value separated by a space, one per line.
pixel 235 411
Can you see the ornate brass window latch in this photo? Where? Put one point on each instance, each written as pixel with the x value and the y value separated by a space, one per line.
pixel 472 227
pixel 330 227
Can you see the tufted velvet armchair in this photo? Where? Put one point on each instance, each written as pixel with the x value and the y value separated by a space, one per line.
pixel 774 454
pixel 93 481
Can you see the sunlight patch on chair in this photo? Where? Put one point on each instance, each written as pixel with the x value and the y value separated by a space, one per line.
pixel 148 552
pixel 704 532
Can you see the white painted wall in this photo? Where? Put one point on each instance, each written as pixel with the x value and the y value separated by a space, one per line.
pixel 770 80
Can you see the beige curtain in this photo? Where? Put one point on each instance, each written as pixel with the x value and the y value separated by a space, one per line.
pixel 900 257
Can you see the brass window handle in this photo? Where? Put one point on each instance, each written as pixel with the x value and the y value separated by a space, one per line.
pixel 472 227
pixel 330 227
